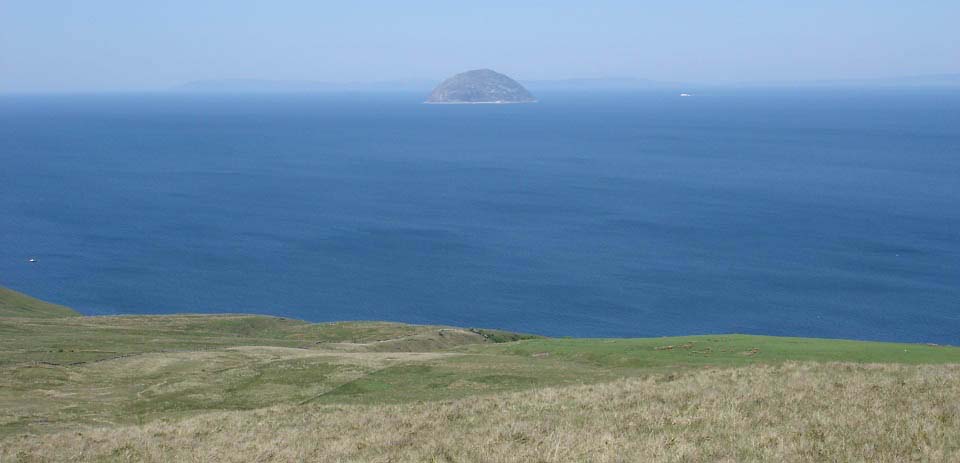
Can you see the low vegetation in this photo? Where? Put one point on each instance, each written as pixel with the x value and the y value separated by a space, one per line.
pixel 14 304
pixel 252 388
pixel 782 413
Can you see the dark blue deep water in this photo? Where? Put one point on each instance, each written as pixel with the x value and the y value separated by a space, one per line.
pixel 814 213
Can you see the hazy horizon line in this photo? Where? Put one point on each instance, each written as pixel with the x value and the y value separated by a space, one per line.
pixel 572 83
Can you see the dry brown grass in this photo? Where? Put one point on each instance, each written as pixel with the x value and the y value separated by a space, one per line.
pixel 790 412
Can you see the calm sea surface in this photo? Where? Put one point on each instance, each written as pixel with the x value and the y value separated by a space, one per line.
pixel 815 213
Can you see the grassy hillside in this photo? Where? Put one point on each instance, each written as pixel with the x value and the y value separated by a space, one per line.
pixel 792 412
pixel 14 304
pixel 724 350
pixel 55 373
pixel 190 387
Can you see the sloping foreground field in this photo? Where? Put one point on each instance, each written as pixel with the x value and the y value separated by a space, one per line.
pixel 251 388
pixel 789 412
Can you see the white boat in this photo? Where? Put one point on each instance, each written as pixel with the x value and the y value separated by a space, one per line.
pixel 686 94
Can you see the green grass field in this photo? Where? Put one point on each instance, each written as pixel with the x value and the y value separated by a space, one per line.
pixel 60 373
pixel 14 304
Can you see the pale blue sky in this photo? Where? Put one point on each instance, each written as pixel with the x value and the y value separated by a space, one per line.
pixel 127 45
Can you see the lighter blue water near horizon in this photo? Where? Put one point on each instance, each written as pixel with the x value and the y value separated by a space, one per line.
pixel 811 213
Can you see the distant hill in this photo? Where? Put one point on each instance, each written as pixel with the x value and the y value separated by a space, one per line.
pixel 604 83
pixel 574 84
pixel 480 86
pixel 308 86
pixel 918 81
pixel 297 86
pixel 14 304
pixel 936 80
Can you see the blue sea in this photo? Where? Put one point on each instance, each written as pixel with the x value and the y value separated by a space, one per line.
pixel 826 213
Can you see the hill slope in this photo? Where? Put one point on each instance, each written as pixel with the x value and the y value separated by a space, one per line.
pixel 14 304
pixel 787 413
pixel 480 86
pixel 191 387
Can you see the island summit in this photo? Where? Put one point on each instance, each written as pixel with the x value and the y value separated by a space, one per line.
pixel 480 86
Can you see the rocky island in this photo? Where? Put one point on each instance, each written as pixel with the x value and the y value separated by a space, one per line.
pixel 480 86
